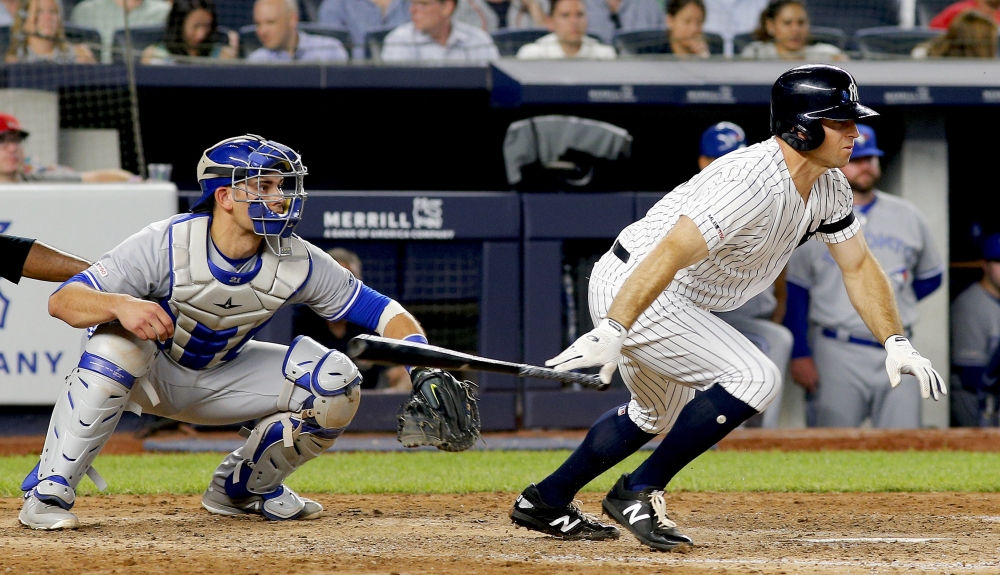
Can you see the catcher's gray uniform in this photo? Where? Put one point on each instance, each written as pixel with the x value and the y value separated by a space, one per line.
pixel 751 217
pixel 975 337
pixel 853 383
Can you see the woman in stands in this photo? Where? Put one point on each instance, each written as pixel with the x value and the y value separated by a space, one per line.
pixel 783 34
pixel 970 35
pixel 685 19
pixel 192 32
pixel 38 36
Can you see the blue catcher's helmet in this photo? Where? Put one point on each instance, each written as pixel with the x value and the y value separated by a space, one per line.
pixel 270 175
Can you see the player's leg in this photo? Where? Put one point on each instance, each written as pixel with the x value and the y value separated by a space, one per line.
pixel 304 395
pixel 84 417
pixel 691 347
pixel 843 398
pixel 775 341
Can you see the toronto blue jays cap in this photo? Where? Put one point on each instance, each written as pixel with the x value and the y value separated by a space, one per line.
pixel 721 139
pixel 864 144
pixel 991 247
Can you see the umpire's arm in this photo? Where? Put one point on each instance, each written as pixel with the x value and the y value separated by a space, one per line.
pixel 868 287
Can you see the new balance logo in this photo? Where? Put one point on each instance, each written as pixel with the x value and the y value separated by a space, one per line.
pixel 566 525
pixel 632 512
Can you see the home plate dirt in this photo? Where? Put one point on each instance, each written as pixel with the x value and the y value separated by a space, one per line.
pixel 471 534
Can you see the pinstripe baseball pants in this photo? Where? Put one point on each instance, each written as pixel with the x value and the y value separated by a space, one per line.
pixel 675 348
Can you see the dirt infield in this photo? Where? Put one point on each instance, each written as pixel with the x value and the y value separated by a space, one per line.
pixel 470 534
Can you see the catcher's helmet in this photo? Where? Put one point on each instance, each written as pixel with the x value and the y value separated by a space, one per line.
pixel 803 96
pixel 269 172
pixel 722 138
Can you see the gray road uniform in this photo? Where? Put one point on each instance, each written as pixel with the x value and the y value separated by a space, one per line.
pixel 975 339
pixel 211 372
pixel 753 320
pixel 853 383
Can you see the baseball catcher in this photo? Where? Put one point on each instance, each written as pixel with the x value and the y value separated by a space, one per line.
pixel 442 411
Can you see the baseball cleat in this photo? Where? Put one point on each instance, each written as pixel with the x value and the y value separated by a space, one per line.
pixel 644 513
pixel 282 505
pixel 566 522
pixel 39 514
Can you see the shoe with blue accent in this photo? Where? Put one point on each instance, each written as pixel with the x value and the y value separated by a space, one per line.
pixel 281 505
pixel 46 515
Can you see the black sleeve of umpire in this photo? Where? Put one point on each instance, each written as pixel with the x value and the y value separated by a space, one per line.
pixel 13 253
pixel 834 227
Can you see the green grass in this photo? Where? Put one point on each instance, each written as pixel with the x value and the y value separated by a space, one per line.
pixel 439 472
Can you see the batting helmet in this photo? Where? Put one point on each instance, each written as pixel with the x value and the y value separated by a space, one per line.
pixel 805 95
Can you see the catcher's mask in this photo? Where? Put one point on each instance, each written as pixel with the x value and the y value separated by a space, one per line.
pixel 269 174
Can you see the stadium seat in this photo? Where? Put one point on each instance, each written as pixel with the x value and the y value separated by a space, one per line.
pixel 309 10
pixel 928 9
pixel 510 41
pixel 250 42
pixel 83 35
pixel 889 41
pixel 142 36
pixel 373 43
pixel 4 39
pixel 833 36
pixel 654 41
pixel 852 15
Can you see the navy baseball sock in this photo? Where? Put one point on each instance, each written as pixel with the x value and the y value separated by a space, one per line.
pixel 612 438
pixel 706 419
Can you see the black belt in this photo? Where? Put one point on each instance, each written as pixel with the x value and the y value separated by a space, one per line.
pixel 620 252
pixel 846 337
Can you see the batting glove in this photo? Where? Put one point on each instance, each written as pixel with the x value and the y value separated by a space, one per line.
pixel 903 358
pixel 600 346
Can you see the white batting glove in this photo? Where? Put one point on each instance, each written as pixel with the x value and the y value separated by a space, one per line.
pixel 600 346
pixel 903 358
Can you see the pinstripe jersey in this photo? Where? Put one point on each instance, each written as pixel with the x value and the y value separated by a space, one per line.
pixel 751 216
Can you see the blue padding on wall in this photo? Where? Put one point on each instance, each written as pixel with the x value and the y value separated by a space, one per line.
pixel 569 409
pixel 566 216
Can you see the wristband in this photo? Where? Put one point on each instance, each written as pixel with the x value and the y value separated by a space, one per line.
pixel 416 338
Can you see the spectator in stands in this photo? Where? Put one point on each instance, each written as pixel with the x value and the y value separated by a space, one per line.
pixel 970 35
pixel 192 32
pixel 783 34
pixel 8 8
pixel 568 23
pixel 106 16
pixel 336 334
pixel 607 17
pixel 15 169
pixel 277 24
pixel 727 18
pixel 989 8
pixel 685 19
pixel 363 16
pixel 493 15
pixel 38 36
pixel 433 36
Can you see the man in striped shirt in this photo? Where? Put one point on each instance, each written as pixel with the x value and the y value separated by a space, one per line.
pixel 710 245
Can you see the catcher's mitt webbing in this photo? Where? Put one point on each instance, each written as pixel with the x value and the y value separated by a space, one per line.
pixel 442 411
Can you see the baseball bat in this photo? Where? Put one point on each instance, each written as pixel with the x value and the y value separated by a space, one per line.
pixel 397 352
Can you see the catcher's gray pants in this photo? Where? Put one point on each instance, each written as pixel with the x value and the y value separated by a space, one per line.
pixel 853 385
pixel 240 390
pixel 675 348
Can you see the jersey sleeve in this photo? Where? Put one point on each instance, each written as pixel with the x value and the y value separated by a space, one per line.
pixel 139 266
pixel 726 205
pixel 15 253
pixel 335 294
pixel 839 225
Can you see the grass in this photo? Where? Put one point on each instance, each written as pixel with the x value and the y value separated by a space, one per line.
pixel 511 471
pixel 439 472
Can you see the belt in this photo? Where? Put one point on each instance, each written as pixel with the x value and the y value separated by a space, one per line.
pixel 620 252
pixel 841 335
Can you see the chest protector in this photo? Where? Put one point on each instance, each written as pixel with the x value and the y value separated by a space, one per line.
pixel 217 311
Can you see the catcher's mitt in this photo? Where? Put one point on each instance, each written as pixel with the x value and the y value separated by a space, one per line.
pixel 442 411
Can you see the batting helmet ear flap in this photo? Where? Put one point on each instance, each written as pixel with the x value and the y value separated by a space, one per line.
pixel 803 139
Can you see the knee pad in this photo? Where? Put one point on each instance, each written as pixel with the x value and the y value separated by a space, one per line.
pixel 86 414
pixel 329 376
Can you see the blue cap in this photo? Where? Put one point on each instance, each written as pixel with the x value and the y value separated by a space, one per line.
pixel 991 247
pixel 864 144
pixel 721 139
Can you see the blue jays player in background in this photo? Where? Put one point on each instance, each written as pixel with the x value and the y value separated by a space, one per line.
pixel 176 307
pixel 711 244
pixel 836 357
pixel 759 319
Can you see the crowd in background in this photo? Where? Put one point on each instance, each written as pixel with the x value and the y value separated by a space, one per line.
pixel 465 30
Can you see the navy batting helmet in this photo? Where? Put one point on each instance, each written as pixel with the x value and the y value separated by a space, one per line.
pixel 805 95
